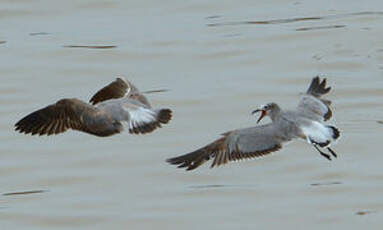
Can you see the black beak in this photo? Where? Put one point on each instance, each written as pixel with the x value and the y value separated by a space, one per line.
pixel 263 113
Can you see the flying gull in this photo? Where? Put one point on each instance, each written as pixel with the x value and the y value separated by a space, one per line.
pixel 118 102
pixel 307 121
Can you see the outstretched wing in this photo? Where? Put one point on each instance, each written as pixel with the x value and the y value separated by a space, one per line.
pixel 145 120
pixel 235 145
pixel 312 105
pixel 57 118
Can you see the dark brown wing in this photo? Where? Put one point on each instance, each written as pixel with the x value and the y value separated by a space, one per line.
pixel 235 145
pixel 56 118
pixel 116 89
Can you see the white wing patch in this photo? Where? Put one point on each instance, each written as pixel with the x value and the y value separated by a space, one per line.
pixel 142 120
pixel 141 116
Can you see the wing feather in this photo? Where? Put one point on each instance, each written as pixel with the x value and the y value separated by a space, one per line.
pixel 235 145
pixel 117 89
pixel 144 120
pixel 312 105
pixel 56 118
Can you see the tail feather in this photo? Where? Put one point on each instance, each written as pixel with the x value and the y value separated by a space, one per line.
pixel 320 134
pixel 157 117
pixel 164 116
pixel 335 132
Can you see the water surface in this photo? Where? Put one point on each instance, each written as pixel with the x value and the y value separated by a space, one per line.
pixel 216 75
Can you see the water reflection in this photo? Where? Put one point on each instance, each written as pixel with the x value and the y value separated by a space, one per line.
pixel 320 27
pixel 220 186
pixel 90 46
pixel 326 183
pixel 24 192
pixel 298 19
pixel 362 213
pixel 38 33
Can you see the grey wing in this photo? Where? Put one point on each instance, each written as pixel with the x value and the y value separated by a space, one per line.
pixel 143 119
pixel 235 145
pixel 254 142
pixel 57 118
pixel 312 105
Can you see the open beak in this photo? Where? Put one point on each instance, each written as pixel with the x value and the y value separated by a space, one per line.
pixel 263 113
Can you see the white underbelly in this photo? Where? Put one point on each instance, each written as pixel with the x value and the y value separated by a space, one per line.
pixel 317 132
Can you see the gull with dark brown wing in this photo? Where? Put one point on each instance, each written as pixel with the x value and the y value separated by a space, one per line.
pixel 118 102
pixel 307 121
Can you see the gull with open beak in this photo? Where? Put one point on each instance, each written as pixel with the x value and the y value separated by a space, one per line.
pixel 306 121
pixel 263 112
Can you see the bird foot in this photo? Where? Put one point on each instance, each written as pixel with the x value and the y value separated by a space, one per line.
pixel 326 156
pixel 332 152
pixel 323 153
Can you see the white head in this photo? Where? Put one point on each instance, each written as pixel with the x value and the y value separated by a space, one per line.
pixel 270 109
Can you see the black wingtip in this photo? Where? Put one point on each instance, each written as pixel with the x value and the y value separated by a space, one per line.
pixel 186 161
pixel 318 87
pixel 314 84
pixel 27 124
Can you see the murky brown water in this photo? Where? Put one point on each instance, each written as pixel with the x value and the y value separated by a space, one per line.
pixel 217 75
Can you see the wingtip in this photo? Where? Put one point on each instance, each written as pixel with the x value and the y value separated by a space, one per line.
pixel 316 78
pixel 93 100
pixel 180 165
pixel 318 87
pixel 19 127
pixel 168 160
pixel 323 83
pixel 327 89
pixel 182 162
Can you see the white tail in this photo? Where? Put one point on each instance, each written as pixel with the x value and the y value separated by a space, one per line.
pixel 320 134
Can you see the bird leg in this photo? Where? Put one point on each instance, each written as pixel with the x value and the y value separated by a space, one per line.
pixel 322 153
pixel 332 152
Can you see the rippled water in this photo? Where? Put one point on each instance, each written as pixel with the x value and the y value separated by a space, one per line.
pixel 257 52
